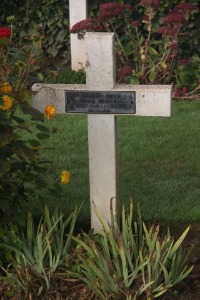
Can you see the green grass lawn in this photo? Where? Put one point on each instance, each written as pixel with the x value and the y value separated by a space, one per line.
pixel 158 159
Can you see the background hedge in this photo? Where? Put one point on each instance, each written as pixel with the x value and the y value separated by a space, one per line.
pixel 53 15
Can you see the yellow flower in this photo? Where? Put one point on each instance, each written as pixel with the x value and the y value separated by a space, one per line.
pixel 65 177
pixel 36 148
pixel 5 88
pixel 8 103
pixel 50 111
pixel 10 19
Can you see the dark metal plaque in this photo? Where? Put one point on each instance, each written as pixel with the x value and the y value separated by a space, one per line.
pixel 100 102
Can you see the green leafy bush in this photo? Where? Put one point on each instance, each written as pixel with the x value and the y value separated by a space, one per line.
pixel 131 262
pixel 22 128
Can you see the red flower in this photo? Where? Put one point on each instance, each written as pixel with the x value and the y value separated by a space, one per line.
pixel 152 3
pixel 125 71
pixel 109 10
pixel 4 32
pixel 183 62
pixel 106 15
pixel 173 46
pixel 135 23
pixel 145 19
pixel 167 30
pixel 186 7
pixel 82 25
pixel 99 27
pixel 103 17
pixel 110 6
pixel 128 6
pixel 184 90
pixel 175 17
pixel 177 92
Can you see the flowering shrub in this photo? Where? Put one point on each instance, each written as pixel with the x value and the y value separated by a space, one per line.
pixel 22 128
pixel 4 32
pixel 147 43
pixel 53 15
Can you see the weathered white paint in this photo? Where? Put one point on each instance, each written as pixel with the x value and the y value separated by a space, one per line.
pixel 77 12
pixel 151 100
pixel 101 76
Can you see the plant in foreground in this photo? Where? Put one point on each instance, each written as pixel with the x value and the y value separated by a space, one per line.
pixel 22 129
pixel 20 164
pixel 131 262
pixel 38 255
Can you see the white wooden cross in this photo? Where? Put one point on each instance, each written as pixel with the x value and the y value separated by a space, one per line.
pixel 150 100
pixel 77 12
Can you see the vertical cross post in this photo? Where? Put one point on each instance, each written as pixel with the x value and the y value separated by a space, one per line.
pixel 77 12
pixel 100 76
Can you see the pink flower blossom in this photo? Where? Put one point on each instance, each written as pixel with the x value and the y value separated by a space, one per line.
pixel 186 7
pixel 175 17
pixel 103 17
pixel 127 6
pixel 99 27
pixel 152 3
pixel 109 10
pixel 184 90
pixel 82 25
pixel 145 19
pixel 125 71
pixel 183 62
pixel 173 46
pixel 177 92
pixel 106 15
pixel 109 6
pixel 135 23
pixel 167 31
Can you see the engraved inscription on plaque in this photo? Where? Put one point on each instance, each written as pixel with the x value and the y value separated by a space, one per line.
pixel 100 102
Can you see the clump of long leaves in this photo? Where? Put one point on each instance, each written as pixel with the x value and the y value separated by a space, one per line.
pixel 132 262
pixel 39 254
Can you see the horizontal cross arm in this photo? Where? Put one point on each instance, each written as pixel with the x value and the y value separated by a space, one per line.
pixel 151 100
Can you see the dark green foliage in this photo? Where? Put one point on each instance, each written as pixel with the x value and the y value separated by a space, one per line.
pixel 189 73
pixel 51 15
pixel 20 165
pixel 22 133
pixel 69 76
